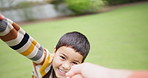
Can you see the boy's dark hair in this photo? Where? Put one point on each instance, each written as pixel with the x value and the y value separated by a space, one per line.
pixel 77 41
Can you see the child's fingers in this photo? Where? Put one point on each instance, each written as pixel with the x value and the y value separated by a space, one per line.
pixel 1 17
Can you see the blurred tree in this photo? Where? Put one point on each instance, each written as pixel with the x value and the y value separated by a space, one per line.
pixel 56 2
pixel 80 6
pixel 116 2
pixel 84 6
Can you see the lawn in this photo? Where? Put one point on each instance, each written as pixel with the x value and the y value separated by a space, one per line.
pixel 118 38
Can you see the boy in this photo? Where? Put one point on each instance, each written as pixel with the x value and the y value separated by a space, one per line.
pixel 71 49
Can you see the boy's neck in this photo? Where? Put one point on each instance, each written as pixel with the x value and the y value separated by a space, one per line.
pixel 53 73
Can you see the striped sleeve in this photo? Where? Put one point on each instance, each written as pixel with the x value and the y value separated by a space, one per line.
pixel 41 70
pixel 17 39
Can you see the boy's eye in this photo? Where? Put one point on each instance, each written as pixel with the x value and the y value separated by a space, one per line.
pixel 74 63
pixel 62 57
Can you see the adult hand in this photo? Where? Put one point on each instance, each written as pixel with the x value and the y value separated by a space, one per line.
pixel 88 70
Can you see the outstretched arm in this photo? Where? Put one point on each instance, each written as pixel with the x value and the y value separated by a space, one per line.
pixel 16 38
pixel 88 70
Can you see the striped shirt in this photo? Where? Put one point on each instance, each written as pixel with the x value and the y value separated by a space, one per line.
pixel 17 39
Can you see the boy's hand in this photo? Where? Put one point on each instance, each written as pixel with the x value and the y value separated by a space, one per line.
pixel 1 17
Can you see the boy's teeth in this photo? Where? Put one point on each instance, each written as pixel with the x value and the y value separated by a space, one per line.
pixel 62 71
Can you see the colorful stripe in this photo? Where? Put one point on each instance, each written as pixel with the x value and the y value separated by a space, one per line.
pixel 17 39
pixel 20 41
pixel 9 36
pixel 45 65
pixel 30 49
pixel 8 28
pixel 38 55
pixel 2 25
pixel 25 39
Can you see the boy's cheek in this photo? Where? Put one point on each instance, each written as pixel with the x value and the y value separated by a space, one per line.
pixel 52 55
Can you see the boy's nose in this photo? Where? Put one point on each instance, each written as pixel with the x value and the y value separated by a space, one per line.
pixel 66 66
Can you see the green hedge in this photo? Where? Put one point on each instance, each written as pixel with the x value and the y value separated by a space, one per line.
pixel 116 2
pixel 84 6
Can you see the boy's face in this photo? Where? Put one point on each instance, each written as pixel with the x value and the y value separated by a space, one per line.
pixel 64 58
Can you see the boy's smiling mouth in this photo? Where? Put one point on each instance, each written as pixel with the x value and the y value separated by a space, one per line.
pixel 61 72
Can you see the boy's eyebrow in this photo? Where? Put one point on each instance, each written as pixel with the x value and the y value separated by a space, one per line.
pixel 64 55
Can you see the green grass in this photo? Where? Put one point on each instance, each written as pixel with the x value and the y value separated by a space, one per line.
pixel 119 39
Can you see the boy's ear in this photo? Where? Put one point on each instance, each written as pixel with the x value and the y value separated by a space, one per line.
pixel 54 50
